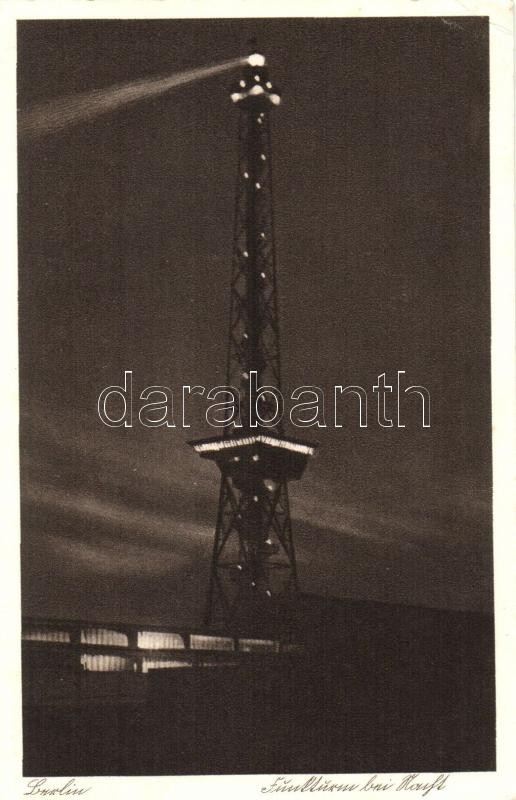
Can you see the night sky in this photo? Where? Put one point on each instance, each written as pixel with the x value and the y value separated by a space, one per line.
pixel 382 232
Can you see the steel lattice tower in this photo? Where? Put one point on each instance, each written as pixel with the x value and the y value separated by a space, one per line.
pixel 253 571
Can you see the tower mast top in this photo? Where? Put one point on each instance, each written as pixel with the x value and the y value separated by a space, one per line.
pixel 254 87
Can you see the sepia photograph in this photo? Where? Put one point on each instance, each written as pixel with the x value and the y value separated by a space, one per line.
pixel 255 398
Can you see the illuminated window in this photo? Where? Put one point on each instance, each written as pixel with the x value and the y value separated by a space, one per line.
pixel 45 635
pixel 199 642
pixel 106 663
pixel 103 636
pixel 162 663
pixel 258 646
pixel 154 640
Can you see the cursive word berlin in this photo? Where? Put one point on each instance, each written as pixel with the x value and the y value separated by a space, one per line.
pixel 38 786
pixel 116 404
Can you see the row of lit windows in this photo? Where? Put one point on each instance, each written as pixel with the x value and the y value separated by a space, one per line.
pixel 103 663
pixel 110 663
pixel 146 640
pixel 150 640
pixel 206 447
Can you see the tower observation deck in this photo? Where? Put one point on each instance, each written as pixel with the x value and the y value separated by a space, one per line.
pixel 253 577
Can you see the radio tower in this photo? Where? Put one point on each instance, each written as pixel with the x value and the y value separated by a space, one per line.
pixel 253 570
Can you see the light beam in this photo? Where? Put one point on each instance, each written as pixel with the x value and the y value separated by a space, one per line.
pixel 55 115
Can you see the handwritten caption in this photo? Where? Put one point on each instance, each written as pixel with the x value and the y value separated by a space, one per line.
pixel 41 787
pixel 414 782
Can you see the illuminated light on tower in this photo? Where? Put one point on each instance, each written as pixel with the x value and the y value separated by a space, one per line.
pixel 253 571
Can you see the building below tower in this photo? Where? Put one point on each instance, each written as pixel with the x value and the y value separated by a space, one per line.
pixel 365 687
